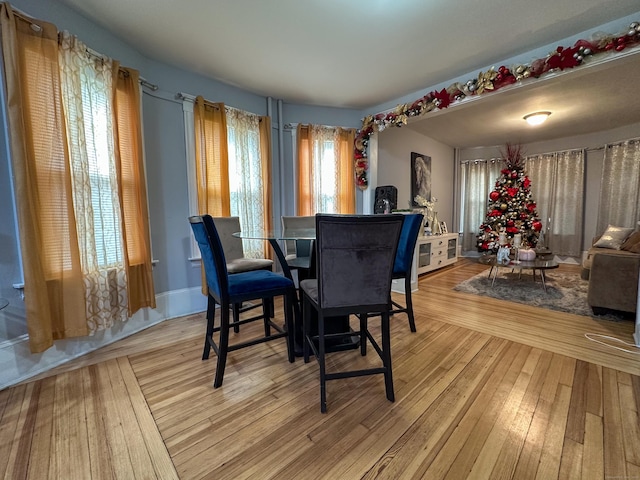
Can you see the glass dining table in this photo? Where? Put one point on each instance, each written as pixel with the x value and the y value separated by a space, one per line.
pixel 336 324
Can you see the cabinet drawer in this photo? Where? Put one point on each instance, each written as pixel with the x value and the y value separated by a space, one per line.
pixel 439 259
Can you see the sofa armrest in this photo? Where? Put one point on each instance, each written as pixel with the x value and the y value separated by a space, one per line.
pixel 613 282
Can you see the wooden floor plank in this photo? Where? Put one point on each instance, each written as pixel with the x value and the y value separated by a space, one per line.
pixel 484 389
pixel 551 453
pixel 593 453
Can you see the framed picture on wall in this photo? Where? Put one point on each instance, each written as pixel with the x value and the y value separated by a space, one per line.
pixel 420 177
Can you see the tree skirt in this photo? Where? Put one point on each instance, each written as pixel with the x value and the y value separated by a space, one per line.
pixel 565 292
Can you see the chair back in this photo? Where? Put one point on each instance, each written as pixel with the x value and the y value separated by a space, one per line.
pixel 355 255
pixel 407 244
pixel 212 253
pixel 297 223
pixel 232 246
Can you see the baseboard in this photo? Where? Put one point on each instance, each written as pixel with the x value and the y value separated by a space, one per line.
pixel 17 363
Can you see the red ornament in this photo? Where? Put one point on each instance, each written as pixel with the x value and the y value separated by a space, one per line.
pixel 494 196
pixel 537 225
pixel 526 182
pixel 512 191
pixel 510 223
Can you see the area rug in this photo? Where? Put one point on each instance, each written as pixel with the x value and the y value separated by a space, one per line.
pixel 566 292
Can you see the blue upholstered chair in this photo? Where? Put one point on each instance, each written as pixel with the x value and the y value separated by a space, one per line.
pixel 236 261
pixel 355 256
pixel 404 260
pixel 226 290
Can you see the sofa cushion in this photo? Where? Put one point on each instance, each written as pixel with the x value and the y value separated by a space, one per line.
pixel 594 250
pixel 632 243
pixel 613 237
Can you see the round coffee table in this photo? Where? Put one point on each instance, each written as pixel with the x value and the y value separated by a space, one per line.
pixel 533 265
pixel 544 254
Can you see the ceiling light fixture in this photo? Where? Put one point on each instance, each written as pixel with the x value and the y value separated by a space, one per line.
pixel 536 118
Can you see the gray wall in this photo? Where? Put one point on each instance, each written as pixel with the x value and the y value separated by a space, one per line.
pixel 165 156
pixel 394 168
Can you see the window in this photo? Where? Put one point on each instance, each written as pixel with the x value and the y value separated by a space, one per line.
pixel 246 182
pixel 229 176
pixel 72 147
pixel 326 182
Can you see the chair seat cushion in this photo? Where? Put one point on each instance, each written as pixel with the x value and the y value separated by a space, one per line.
pixel 310 287
pixel 239 265
pixel 257 281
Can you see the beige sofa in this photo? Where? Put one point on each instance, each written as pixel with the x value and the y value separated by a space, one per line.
pixel 613 277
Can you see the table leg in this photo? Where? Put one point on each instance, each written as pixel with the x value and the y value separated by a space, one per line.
pixel 495 274
pixel 336 325
pixel 542 276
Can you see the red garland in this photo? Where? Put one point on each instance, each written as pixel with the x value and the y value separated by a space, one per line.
pixel 562 58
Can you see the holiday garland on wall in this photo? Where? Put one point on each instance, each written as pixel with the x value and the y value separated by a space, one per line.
pixel 560 59
pixel 511 209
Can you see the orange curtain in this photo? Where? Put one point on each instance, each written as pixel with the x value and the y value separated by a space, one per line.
pixel 212 158
pixel 265 157
pixel 346 173
pixel 304 200
pixel 132 189
pixel 54 288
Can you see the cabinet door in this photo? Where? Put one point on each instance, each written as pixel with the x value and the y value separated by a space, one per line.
pixel 424 255
pixel 451 248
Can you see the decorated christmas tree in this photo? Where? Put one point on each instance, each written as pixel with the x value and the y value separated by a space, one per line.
pixel 511 209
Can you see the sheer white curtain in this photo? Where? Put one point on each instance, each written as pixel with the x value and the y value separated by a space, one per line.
pixel 246 186
pixel 324 168
pixel 620 190
pixel 87 96
pixel 477 180
pixel 557 187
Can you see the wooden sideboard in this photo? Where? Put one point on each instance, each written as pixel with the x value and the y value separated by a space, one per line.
pixel 436 251
pixel 432 252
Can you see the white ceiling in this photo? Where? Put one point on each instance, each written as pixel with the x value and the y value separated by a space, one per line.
pixel 362 53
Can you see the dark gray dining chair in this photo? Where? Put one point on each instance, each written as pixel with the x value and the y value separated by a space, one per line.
pixel 355 257
pixel 236 260
pixel 226 290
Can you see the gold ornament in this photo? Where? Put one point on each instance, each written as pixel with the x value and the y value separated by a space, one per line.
pixel 485 80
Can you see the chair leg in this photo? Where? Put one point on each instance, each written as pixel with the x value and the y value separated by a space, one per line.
pixel 409 302
pixel 363 333
pixel 267 304
pixel 386 357
pixel 288 324
pixel 211 317
pixel 306 328
pixel 321 361
pixel 223 345
pixel 236 316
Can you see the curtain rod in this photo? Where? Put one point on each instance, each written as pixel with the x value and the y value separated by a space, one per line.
pixel 141 80
pixel 148 84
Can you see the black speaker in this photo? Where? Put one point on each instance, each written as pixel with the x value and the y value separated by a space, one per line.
pixel 385 192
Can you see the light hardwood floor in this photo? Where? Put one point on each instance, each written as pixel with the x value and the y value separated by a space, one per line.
pixel 484 389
